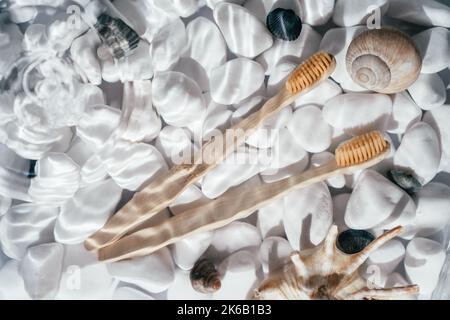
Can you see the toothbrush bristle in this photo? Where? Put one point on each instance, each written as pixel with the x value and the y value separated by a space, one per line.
pixel 361 149
pixel 315 68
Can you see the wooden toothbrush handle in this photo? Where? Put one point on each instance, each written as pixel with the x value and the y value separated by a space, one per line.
pixel 164 190
pixel 234 204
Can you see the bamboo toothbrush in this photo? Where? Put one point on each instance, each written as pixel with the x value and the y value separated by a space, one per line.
pixel 356 154
pixel 162 191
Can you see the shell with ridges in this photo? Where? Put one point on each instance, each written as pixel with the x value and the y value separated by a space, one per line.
pixel 353 241
pixel 284 24
pixel 325 272
pixel 383 60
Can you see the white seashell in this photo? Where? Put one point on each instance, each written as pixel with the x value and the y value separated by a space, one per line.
pixel 322 158
pixel 235 81
pixel 175 145
pixel 132 165
pixel 87 212
pixel 316 13
pixel 140 122
pixel 404 113
pixel 11 282
pixel 376 202
pixel 57 179
pixel 97 125
pixel 419 152
pixel 340 202
pixel 295 51
pixel 178 99
pixel 187 251
pixel 319 95
pixel 423 261
pixel 182 8
pixel 439 118
pixel 349 13
pixel 273 253
pixel 205 44
pixel 388 256
pixel 25 225
pixel 270 219
pixel 41 269
pixel 434 45
pixel 428 91
pixel 308 216
pixel 431 13
pixel 239 276
pixel 232 238
pixel 309 129
pixel 168 45
pixel 130 293
pixel 84 52
pixel 357 113
pixel 245 35
pixel 153 273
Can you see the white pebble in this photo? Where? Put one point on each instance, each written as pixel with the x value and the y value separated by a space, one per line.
pixel 93 171
pixel 431 13
pixel 235 81
pixel 193 70
pixel 434 45
pixel 154 273
pixel 245 35
pixel 419 152
pixel 309 129
pixel 187 251
pixel 175 145
pixel 11 282
pixel 376 202
pixel 280 72
pixel 83 52
pixel 130 293
pixel 428 91
pixel 316 13
pixel 358 113
pixel 349 13
pixel 188 199
pixel 273 253
pixel 319 95
pixel 182 288
pixel 340 202
pixel 270 219
pixel 184 8
pixel 5 203
pixel 405 113
pixel 308 216
pixel 439 118
pixel 423 262
pixel 322 158
pixel 388 256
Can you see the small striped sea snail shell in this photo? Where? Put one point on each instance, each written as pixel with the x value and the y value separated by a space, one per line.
pixel 284 24
pixel 383 60
pixel 204 277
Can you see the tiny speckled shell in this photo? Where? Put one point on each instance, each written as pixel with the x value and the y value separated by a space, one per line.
pixel 353 241
pixel 284 24
pixel 204 277
pixel 405 180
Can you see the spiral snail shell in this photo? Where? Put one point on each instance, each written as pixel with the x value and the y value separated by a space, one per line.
pixel 383 60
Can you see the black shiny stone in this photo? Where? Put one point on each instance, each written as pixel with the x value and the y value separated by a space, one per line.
pixel 353 241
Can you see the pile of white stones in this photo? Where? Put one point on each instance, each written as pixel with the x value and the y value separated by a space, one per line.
pixel 206 64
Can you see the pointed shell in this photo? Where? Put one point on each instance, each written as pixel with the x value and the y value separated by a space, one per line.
pixel 284 24
pixel 383 60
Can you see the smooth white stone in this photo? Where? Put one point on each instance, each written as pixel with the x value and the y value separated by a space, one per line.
pixel 431 13
pixel 41 269
pixel 376 202
pixel 3 258
pixel 178 99
pixel 57 179
pixel 235 81
pixel 419 152
pixel 168 45
pixel 315 12
pixel 87 211
pixel 237 168
pixel 205 44
pixel 233 237
pixel 261 8
pixel 213 3
pixel 5 204
pixel 336 41
pixel 188 250
pixel 270 219
pixel 193 70
pixel 25 225
pixel 309 129
pixel 10 45
pixel 13 183
pixel 340 202
pixel 423 262
pixel 181 288
pixel 182 8
pixel 281 71
pixel 323 158
pixel 308 216
pixel 218 118
pixel 349 13
pixel 79 152
pixel 97 125
pixel 434 45
pixel 140 122
pixel 273 253
pixel 405 113
pixel 132 165
pixel 153 273
pixel 239 276
pixel 358 113
pixel 175 145
pixel 295 51
pixel 130 293
pixel 244 34
pixel 388 256
pixel 93 171
pixel 287 158
pixel 319 95
pixel 11 282
pixel 439 118
pixel 188 199
pixel 428 91
pixel 84 52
